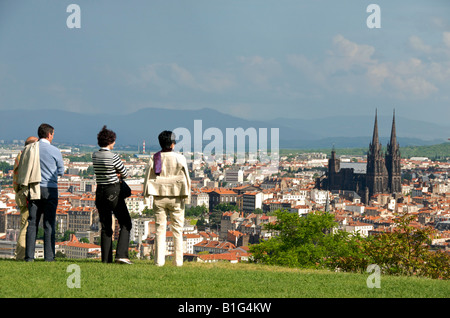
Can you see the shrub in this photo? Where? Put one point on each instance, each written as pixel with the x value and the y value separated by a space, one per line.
pixel 313 241
pixel 303 241
pixel 405 250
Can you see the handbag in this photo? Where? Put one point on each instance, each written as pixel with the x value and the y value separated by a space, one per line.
pixel 125 190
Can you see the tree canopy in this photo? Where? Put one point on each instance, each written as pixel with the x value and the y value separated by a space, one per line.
pixel 315 241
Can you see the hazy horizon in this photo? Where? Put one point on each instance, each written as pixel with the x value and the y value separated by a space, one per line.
pixel 258 59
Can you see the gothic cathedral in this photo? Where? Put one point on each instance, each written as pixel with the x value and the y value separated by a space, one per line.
pixel 382 173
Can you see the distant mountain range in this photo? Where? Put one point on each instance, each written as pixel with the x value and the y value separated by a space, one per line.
pixel 146 124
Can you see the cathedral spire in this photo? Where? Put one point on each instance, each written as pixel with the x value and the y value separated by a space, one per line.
pixel 376 174
pixel 393 141
pixel 393 161
pixel 375 140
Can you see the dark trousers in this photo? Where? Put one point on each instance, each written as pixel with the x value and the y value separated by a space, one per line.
pixel 45 206
pixel 109 202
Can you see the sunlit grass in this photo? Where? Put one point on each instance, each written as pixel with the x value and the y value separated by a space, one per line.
pixel 194 280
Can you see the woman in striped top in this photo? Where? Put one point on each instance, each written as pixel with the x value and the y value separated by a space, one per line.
pixel 108 166
pixel 109 170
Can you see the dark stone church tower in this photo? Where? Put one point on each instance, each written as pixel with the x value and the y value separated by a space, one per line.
pixel 383 173
pixel 376 172
pixel 393 162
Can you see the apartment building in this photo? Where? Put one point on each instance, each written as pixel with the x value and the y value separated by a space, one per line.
pixel 213 247
pixel 199 198
pixel 227 223
pixel 135 203
pixel 251 201
pixel 82 218
pixel 75 249
pixel 141 229
pixel 221 195
pixel 234 175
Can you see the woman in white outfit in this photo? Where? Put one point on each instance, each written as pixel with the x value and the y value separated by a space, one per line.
pixel 167 180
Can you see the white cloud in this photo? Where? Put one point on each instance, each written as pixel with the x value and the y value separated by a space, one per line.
pixel 308 68
pixel 170 77
pixel 446 39
pixel 416 85
pixel 216 81
pixel 259 70
pixel 350 67
pixel 417 44
pixel 347 68
pixel 346 54
pixel 183 77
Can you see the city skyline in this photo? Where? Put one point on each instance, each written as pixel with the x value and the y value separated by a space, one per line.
pixel 256 60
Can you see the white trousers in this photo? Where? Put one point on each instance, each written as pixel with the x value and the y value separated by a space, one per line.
pixel 173 207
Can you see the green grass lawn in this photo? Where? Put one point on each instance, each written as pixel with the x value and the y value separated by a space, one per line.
pixel 194 280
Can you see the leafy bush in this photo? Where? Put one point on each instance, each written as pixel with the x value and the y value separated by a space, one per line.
pixel 403 251
pixel 314 241
pixel 303 241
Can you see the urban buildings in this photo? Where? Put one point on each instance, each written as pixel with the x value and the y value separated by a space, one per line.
pixel 364 193
pixel 381 173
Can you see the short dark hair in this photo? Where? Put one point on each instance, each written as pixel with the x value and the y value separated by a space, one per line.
pixel 106 137
pixel 166 139
pixel 44 130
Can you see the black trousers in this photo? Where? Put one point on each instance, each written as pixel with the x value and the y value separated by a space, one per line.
pixel 109 202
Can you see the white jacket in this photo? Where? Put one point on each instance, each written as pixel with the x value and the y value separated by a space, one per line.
pixel 173 180
pixel 29 172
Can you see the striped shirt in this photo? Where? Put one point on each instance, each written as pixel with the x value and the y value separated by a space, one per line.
pixel 107 165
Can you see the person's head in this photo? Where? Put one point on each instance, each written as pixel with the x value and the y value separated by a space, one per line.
pixel 46 131
pixel 166 140
pixel 106 137
pixel 30 140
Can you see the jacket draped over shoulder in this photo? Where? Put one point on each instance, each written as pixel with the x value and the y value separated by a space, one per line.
pixel 173 180
pixel 29 172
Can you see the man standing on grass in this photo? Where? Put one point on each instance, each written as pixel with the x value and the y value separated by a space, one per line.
pixel 22 203
pixel 52 166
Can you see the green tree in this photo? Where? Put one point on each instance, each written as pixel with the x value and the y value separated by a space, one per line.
pixel 59 254
pixel 148 212
pixel 258 211
pixel 196 211
pixel 405 250
pixel 201 224
pixel 225 207
pixel 215 216
pixel 66 236
pixel 89 172
pixel 40 233
pixel 5 167
pixel 301 241
pixel 402 251
pixel 80 158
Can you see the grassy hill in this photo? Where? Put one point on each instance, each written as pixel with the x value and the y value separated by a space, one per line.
pixel 194 280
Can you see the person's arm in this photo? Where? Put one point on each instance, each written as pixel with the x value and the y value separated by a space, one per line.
pixel 187 177
pixel 120 168
pixel 59 163
pixel 147 172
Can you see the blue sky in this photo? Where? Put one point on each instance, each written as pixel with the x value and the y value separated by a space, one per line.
pixel 257 59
